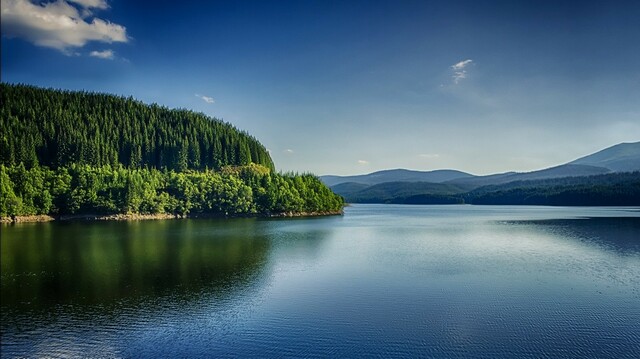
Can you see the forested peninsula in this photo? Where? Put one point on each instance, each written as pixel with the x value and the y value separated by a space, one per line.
pixel 66 153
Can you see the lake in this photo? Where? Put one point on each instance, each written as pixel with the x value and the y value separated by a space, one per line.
pixel 382 280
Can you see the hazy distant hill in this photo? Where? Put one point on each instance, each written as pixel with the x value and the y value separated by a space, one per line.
pixel 389 191
pixel 348 188
pixel 624 157
pixel 568 170
pixel 451 186
pixel 397 175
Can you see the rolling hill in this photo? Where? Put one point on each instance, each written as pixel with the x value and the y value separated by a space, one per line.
pixel 391 192
pixel 397 175
pixel 445 186
pixel 623 157
pixel 566 170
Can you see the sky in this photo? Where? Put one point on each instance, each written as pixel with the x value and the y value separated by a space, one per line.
pixel 351 87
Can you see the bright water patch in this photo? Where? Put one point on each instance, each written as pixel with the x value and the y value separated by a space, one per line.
pixel 383 280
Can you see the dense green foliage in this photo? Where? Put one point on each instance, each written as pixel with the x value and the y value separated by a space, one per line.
pixel 56 128
pixel 64 152
pixel 616 189
pixel 83 189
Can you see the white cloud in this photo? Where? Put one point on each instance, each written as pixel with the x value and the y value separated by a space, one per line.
pixel 363 162
pixel 462 64
pixel 288 150
pixel 58 25
pixel 106 54
pixel 206 99
pixel 459 72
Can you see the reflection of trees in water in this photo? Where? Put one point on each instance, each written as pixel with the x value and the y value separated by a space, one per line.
pixel 621 234
pixel 99 263
pixel 299 238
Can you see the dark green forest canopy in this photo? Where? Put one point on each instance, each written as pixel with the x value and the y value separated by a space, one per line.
pixel 55 128
pixel 612 189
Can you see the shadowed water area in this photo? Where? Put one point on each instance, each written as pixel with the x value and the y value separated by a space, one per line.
pixel 383 280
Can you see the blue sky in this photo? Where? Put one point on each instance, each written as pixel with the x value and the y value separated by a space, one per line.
pixel 348 87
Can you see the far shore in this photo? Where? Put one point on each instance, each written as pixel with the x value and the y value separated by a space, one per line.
pixel 142 217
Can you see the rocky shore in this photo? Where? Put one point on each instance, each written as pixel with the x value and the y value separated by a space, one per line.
pixel 139 217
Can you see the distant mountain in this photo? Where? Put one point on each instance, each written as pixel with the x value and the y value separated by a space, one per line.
pixel 397 175
pixel 568 170
pixel 389 192
pixel 450 186
pixel 611 189
pixel 623 157
pixel 348 188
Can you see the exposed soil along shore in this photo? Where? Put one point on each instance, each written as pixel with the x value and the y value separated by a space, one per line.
pixel 138 217
pixel 305 214
pixel 20 219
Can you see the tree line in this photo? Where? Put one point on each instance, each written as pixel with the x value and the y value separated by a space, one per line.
pixel 234 190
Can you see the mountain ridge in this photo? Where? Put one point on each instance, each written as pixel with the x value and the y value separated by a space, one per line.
pixel 622 157
pixel 397 175
pixel 372 188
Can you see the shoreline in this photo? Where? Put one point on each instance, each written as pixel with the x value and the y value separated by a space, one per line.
pixel 158 216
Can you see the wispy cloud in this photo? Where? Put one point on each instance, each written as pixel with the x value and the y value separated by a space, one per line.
pixel 59 25
pixel 88 4
pixel 363 162
pixel 462 64
pixel 106 54
pixel 459 70
pixel 206 99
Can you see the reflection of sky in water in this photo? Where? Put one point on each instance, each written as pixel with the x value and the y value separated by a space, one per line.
pixel 441 281
pixel 612 233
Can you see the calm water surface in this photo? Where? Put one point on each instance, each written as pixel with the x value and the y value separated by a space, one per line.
pixel 383 280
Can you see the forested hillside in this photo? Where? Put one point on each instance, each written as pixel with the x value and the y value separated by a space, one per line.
pixel 615 189
pixel 55 128
pixel 65 152
pixel 612 189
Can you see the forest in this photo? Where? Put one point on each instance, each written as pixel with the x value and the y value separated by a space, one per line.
pixel 56 128
pixel 612 189
pixel 66 152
